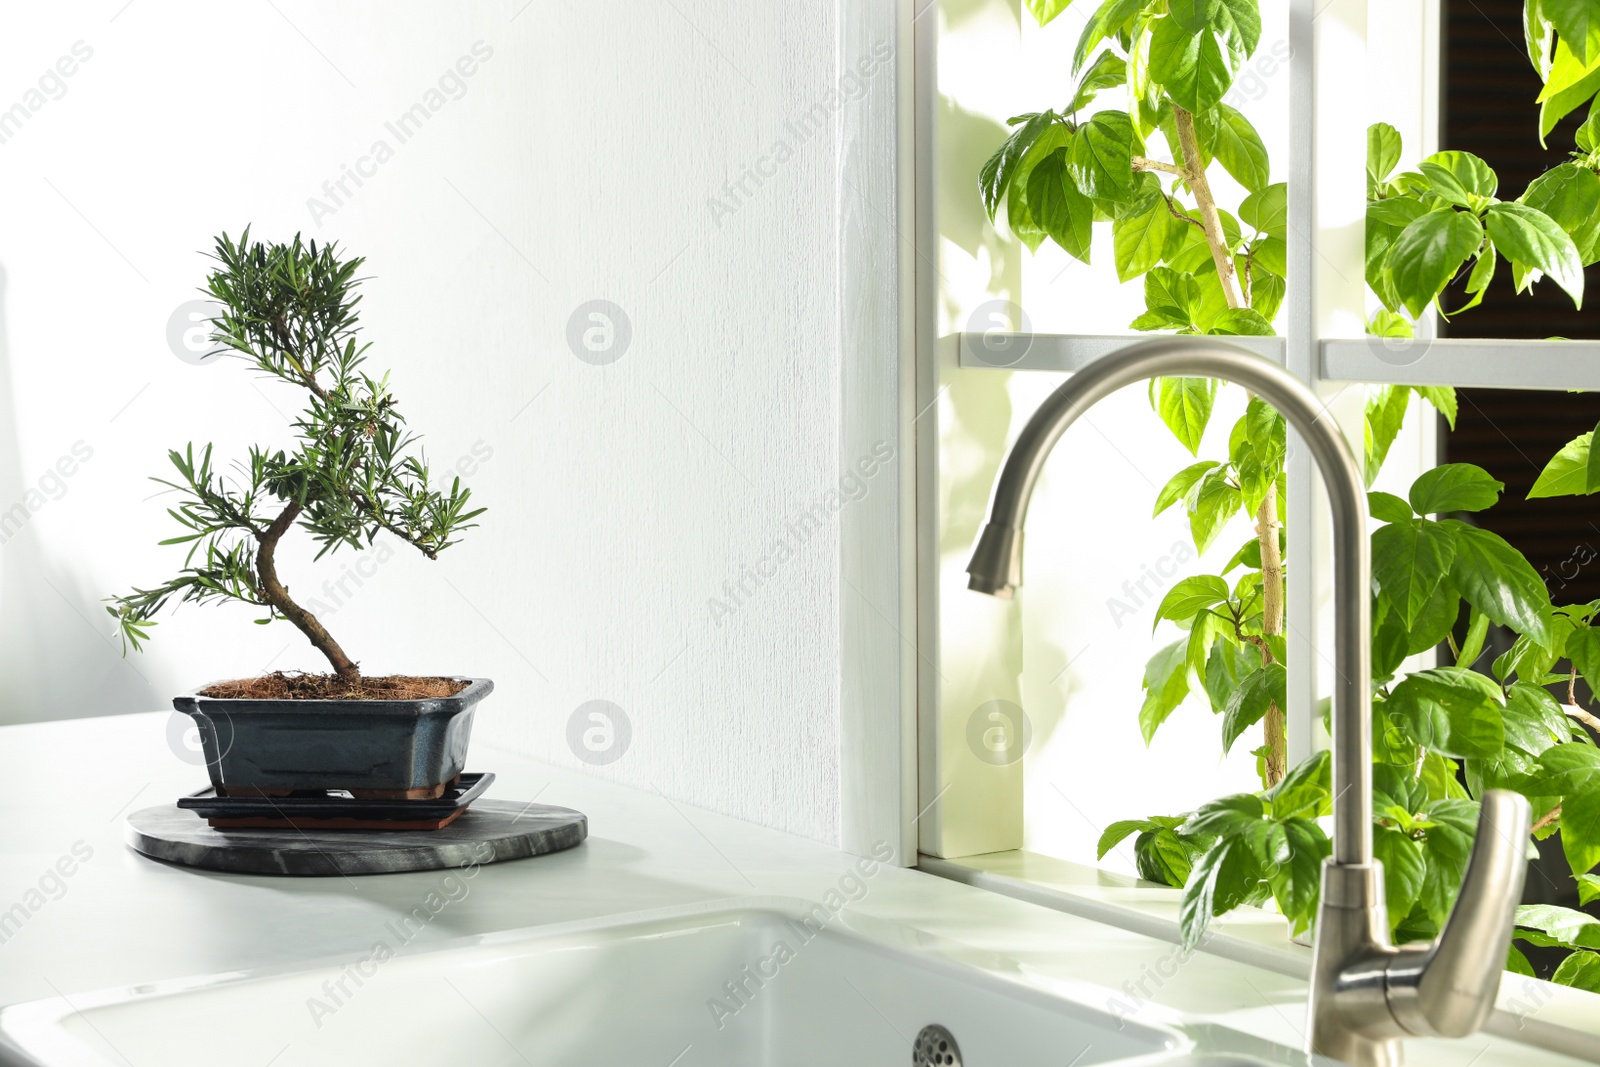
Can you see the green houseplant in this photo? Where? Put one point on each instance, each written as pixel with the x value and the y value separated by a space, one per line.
pixel 289 310
pixel 1444 733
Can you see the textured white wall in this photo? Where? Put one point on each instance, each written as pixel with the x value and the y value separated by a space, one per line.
pixel 578 161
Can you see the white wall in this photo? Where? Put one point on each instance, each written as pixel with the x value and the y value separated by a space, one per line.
pixel 578 162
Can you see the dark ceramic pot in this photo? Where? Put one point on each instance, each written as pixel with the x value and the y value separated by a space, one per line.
pixel 377 749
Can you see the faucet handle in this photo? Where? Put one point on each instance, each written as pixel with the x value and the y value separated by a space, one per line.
pixel 1448 989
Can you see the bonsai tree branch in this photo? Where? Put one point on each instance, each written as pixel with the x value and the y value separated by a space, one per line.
pixel 290 310
pixel 276 596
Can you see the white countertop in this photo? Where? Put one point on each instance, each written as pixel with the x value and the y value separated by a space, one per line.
pixel 121 919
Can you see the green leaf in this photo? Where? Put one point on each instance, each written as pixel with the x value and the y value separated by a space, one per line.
pixel 1383 151
pixel 1517 963
pixel 994 177
pixel 1386 413
pixel 1306 790
pixel 1443 399
pixel 1226 667
pixel 1199 893
pixel 1106 72
pixel 1495 578
pixel 1578 23
pixel 1185 404
pixel 1266 292
pixel 1472 645
pixel 1109 19
pixel 1172 295
pixel 1238 147
pixel 1583 648
pixel 1267 211
pixel 1580 830
pixel 1581 970
pixel 1399 211
pixel 1241 322
pixel 1450 710
pixel 1019 215
pixel 1192 15
pixel 1460 176
pixel 1389 643
pixel 1179 485
pixel 1428 253
pixel 1271 255
pixel 1059 208
pixel 1569 84
pixel 1045 10
pixel 1297 881
pixel 1570 194
pixel 1588 889
pixel 1260 690
pixel 1386 507
pixel 1448 848
pixel 1215 503
pixel 1534 721
pixel 1119 831
pixel 1403 870
pixel 1191 596
pixel 1164 857
pixel 1240 21
pixel 1531 238
pixel 1567 473
pixel 1166 683
pixel 1409 560
pixel 1143 240
pixel 1563 926
pixel 1439 776
pixel 1101 163
pixel 1228 816
pixel 1454 487
pixel 1566 770
pixel 1196 68
pixel 1436 619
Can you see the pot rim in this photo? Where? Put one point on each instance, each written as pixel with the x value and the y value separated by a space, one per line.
pixel 477 688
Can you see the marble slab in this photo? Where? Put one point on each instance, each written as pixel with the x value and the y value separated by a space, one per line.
pixel 492 831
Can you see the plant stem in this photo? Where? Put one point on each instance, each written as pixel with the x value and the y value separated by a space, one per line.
pixel 1582 716
pixel 1144 163
pixel 1553 816
pixel 1272 625
pixel 1195 176
pixel 1267 514
pixel 276 596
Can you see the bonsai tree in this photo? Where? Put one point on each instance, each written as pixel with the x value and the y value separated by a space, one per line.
pixel 1446 733
pixel 290 310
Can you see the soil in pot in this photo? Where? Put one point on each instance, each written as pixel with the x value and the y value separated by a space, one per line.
pixel 293 685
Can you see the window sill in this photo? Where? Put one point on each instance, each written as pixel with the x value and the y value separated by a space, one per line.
pixel 1528 1011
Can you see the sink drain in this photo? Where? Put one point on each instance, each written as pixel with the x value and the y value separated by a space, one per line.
pixel 935 1047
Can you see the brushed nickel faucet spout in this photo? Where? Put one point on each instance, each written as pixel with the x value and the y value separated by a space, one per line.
pixel 1366 994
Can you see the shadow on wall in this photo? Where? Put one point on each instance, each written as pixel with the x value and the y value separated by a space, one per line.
pixel 979 414
pixel 59 657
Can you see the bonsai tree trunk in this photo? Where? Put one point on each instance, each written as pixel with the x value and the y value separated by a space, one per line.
pixel 1267 515
pixel 276 596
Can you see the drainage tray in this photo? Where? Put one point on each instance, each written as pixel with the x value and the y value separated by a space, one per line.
pixel 335 810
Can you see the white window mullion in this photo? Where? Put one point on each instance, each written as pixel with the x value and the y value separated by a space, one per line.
pixel 1327 218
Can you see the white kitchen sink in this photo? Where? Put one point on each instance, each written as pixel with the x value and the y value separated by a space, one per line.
pixel 746 983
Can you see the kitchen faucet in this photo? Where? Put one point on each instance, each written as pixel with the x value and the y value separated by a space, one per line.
pixel 1367 994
